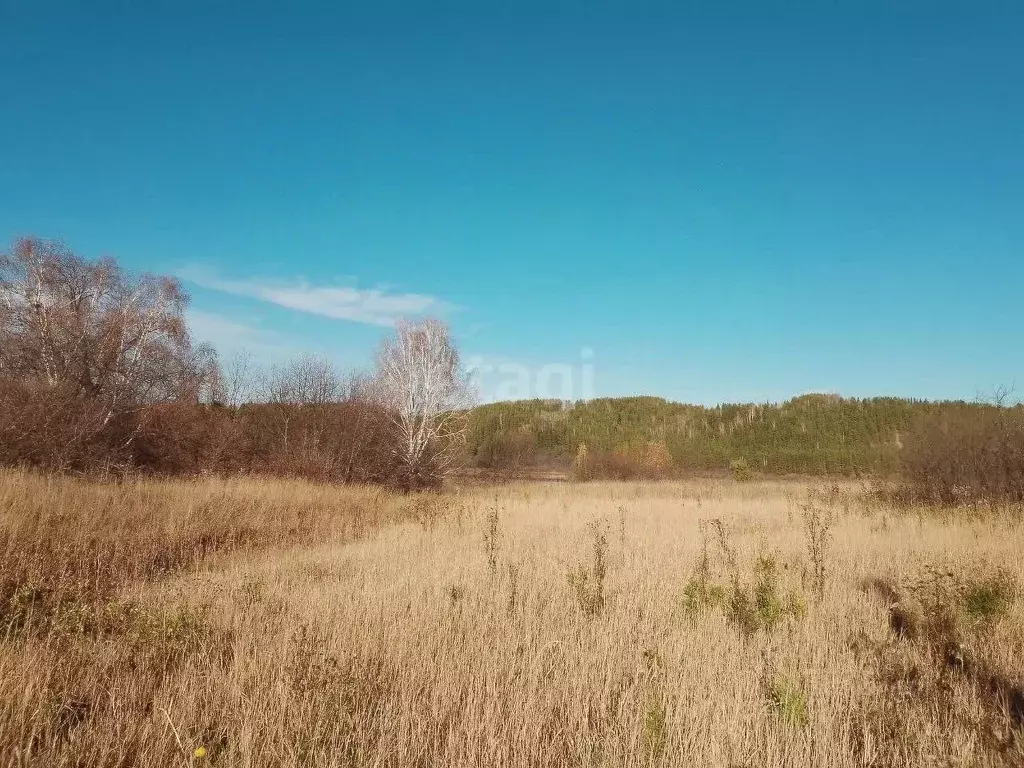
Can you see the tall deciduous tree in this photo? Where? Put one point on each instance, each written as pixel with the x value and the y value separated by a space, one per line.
pixel 421 385
pixel 86 334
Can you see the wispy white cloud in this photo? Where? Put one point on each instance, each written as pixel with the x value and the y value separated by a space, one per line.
pixel 229 335
pixel 374 306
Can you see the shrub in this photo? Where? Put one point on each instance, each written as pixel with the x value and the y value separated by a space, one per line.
pixel 940 606
pixel 989 597
pixel 655 459
pixel 587 583
pixel 581 466
pixel 965 457
pixel 817 530
pixel 700 593
pixel 492 536
pixel 654 729
pixel 751 607
pixel 762 607
pixel 645 461
pixel 788 701
pixel 508 453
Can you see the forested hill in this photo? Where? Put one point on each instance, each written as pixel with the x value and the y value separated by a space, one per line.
pixel 812 433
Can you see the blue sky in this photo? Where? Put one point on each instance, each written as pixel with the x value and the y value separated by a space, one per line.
pixel 741 202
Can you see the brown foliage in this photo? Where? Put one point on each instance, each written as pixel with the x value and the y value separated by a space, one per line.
pixel 85 349
pixel 509 454
pixel 646 461
pixel 966 458
pixel 98 373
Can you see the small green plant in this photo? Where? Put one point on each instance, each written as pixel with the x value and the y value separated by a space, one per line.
pixel 788 701
pixel 741 470
pixel 700 593
pixel 654 729
pixel 769 604
pixel 587 583
pixel 763 607
pixel 988 598
pixel 760 606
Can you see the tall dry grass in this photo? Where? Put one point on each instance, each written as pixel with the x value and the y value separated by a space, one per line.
pixel 81 662
pixel 698 623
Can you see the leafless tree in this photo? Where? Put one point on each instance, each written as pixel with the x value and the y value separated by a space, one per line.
pixel 87 332
pixel 365 427
pixel 298 393
pixel 235 382
pixel 304 380
pixel 421 385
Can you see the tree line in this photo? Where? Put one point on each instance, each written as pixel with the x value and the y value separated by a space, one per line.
pixel 818 434
pixel 99 373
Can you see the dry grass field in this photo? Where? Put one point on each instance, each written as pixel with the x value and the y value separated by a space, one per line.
pixel 707 623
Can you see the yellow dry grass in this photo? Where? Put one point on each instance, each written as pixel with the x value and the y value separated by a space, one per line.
pixel 445 631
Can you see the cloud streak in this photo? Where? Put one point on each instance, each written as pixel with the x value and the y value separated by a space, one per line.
pixel 374 306
pixel 229 335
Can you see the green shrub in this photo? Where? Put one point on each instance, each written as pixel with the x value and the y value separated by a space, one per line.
pixel 769 604
pixel 654 729
pixel 789 702
pixel 762 607
pixel 700 593
pixel 989 598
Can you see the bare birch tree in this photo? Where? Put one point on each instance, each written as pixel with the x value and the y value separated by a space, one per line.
pixel 421 385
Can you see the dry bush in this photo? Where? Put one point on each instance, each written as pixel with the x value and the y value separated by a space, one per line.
pixel 344 442
pixel 965 457
pixel 643 461
pixel 508 455
pixel 944 619
pixel 51 426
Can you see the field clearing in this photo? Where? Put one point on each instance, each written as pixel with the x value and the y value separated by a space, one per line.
pixel 606 624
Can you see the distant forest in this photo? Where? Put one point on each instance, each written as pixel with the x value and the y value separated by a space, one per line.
pixel 814 434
